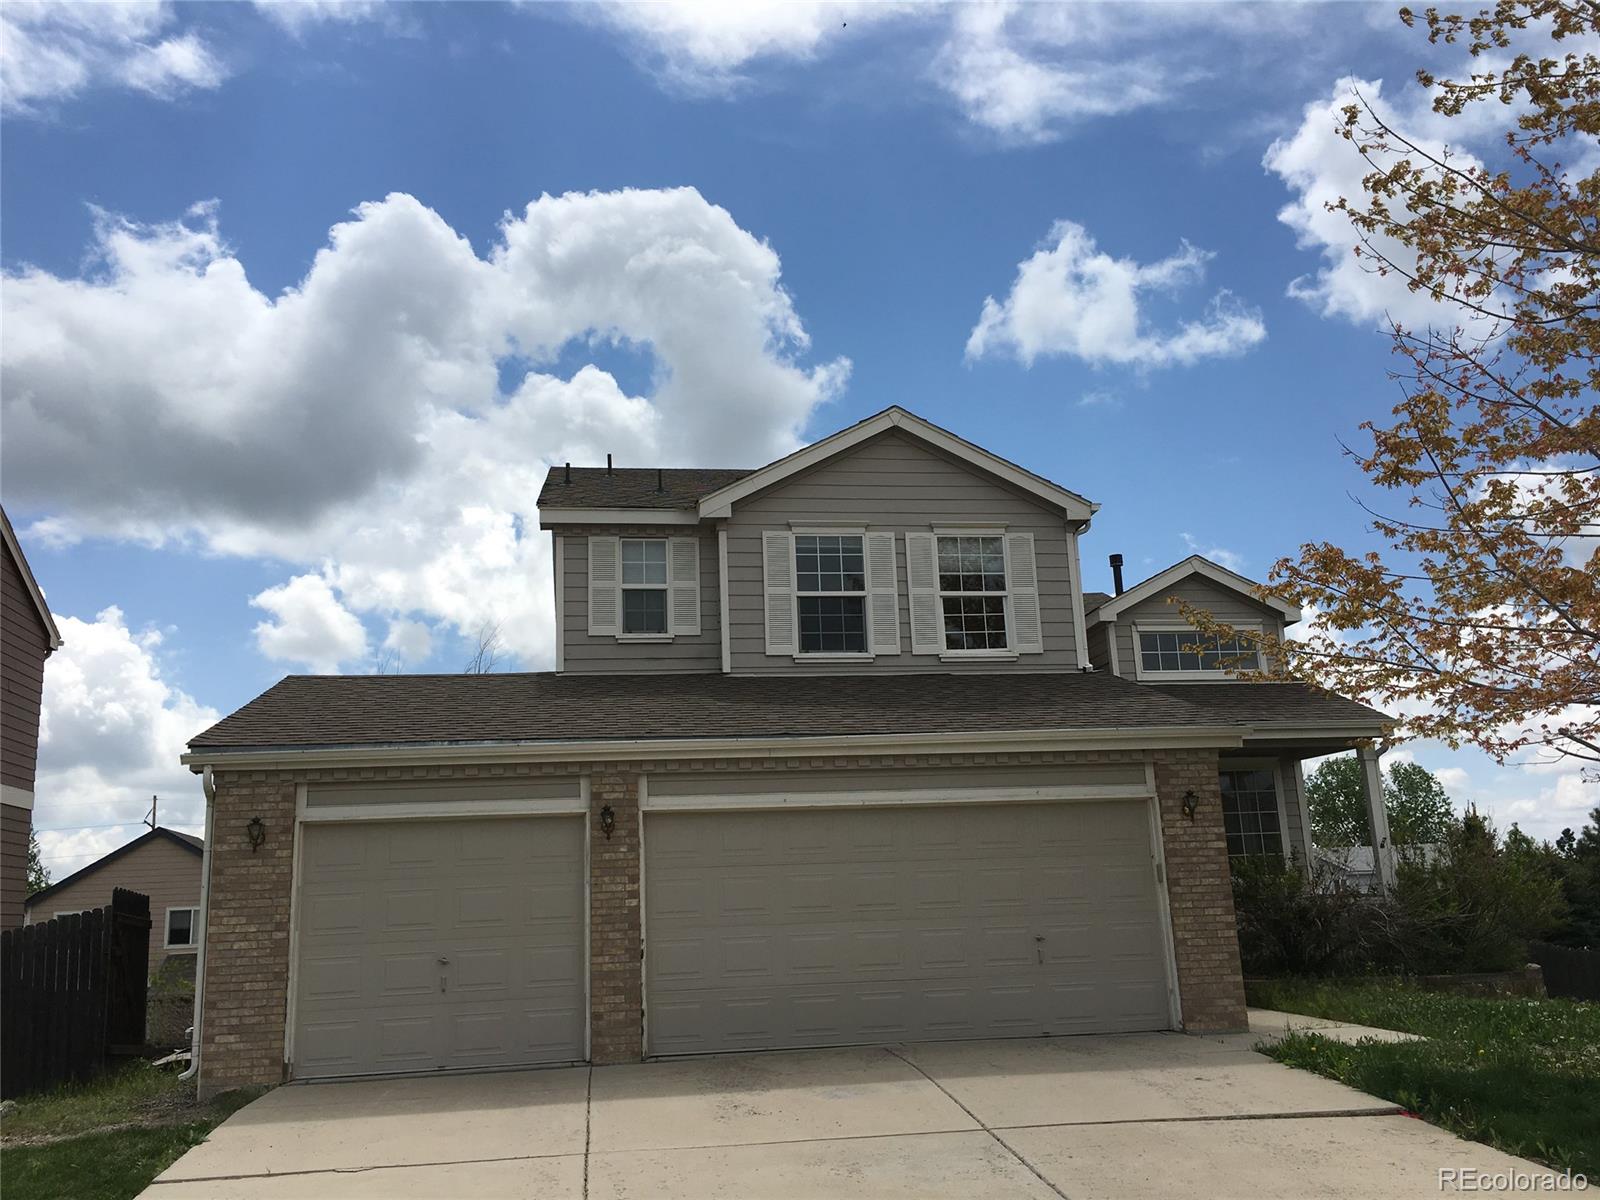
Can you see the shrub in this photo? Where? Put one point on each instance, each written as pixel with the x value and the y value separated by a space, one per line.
pixel 1472 906
pixel 1292 923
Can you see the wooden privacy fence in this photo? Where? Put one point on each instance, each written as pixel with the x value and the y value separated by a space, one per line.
pixel 1574 974
pixel 72 993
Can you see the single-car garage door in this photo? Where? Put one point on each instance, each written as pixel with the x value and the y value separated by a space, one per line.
pixel 436 944
pixel 820 927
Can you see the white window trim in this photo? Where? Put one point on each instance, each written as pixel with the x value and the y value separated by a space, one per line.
pixel 1010 653
pixel 1140 673
pixel 663 587
pixel 193 943
pixel 860 531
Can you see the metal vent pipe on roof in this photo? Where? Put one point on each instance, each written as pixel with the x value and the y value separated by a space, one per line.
pixel 660 487
pixel 608 464
pixel 1116 572
pixel 568 477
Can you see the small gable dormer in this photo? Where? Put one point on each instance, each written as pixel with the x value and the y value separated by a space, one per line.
pixel 1142 634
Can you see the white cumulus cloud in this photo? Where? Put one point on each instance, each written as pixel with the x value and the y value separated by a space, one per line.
pixel 51 50
pixel 309 626
pixel 1320 167
pixel 355 425
pixel 111 731
pixel 1071 298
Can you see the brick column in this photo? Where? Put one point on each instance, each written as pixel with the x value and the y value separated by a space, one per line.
pixel 616 991
pixel 247 935
pixel 1200 892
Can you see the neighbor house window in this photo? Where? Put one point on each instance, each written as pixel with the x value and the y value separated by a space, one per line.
pixel 830 577
pixel 181 928
pixel 644 585
pixel 1190 650
pixel 1250 813
pixel 972 592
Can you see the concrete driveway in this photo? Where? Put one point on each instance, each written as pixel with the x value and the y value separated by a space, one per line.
pixel 1157 1115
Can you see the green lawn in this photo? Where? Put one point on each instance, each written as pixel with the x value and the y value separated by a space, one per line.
pixel 105 1140
pixel 1521 1075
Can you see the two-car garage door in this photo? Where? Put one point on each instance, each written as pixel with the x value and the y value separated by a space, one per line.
pixel 826 926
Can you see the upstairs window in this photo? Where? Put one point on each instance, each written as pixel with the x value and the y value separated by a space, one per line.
pixel 1178 651
pixel 644 585
pixel 1250 813
pixel 830 586
pixel 972 592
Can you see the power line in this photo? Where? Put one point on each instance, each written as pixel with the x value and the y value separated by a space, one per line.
pixel 73 828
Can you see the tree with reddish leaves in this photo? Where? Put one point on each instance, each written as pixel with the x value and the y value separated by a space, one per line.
pixel 1478 618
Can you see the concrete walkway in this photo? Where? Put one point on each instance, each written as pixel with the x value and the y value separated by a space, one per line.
pixel 1156 1115
pixel 1268 1024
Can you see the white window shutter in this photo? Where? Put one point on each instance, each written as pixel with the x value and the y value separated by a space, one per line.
pixel 1022 580
pixel 777 560
pixel 922 585
pixel 683 585
pixel 883 595
pixel 605 586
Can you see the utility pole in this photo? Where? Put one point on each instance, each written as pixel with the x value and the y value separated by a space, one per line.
pixel 151 819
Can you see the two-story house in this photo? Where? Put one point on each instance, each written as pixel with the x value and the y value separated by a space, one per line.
pixel 836 751
pixel 28 636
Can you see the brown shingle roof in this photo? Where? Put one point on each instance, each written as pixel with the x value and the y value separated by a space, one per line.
pixel 633 487
pixel 348 710
pixel 1266 703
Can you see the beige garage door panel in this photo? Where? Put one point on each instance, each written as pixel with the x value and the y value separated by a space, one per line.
pixel 381 903
pixel 819 927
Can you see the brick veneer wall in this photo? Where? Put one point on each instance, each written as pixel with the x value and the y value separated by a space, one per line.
pixel 616 991
pixel 247 940
pixel 1204 934
pixel 247 933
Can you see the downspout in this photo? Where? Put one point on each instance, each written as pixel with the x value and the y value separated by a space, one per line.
pixel 209 786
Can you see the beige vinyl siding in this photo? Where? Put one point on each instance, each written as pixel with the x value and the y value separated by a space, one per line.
pixel 894 483
pixel 685 652
pixel 1294 805
pixel 15 824
pixel 1100 647
pixel 166 873
pixel 1220 602
pixel 24 645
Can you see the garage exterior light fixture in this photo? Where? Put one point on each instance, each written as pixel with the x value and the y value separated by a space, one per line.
pixel 608 821
pixel 1190 803
pixel 256 831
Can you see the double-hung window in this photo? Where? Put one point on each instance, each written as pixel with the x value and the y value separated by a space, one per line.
pixel 1250 813
pixel 644 585
pixel 830 577
pixel 972 592
pixel 182 928
pixel 1179 652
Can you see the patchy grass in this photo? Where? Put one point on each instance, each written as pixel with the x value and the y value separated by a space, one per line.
pixel 1521 1075
pixel 107 1139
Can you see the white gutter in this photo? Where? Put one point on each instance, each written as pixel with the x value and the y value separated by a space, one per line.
pixel 948 742
pixel 209 786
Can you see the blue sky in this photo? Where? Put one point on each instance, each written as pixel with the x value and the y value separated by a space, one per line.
pixel 239 443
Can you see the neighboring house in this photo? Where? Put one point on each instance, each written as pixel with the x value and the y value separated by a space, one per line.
pixel 28 634
pixel 829 757
pixel 162 864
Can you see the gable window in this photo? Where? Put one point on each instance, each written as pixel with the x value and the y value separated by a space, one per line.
pixel 644 585
pixel 1183 651
pixel 972 592
pixel 830 586
pixel 1250 813
pixel 181 928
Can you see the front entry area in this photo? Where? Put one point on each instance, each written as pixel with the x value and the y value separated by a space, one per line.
pixel 435 944
pixel 830 926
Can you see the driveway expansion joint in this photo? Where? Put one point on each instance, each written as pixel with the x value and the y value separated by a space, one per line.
pixel 1004 1145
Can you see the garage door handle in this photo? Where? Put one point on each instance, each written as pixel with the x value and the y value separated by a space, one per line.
pixel 1039 940
pixel 444 962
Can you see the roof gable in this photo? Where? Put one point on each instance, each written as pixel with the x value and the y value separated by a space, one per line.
pixel 721 502
pixel 186 841
pixel 29 583
pixel 1194 565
